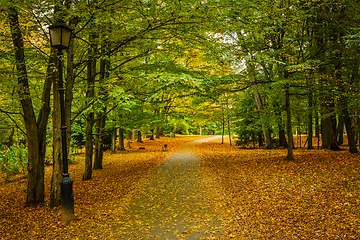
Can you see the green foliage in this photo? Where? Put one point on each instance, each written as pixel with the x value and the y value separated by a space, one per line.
pixel 249 122
pixel 78 133
pixel 179 126
pixel 13 160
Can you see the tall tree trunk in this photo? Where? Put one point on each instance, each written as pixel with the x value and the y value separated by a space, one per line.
pixel 229 128
pixel 139 138
pixel 317 125
pixel 152 134
pixel 55 192
pixel 260 137
pixel 290 155
pixel 157 131
pixel 343 102
pixel 310 121
pixel 121 139
pixel 35 129
pixel 280 123
pixel 328 121
pixel 113 140
pixel 282 138
pixel 259 104
pixel 223 124
pixel 266 129
pixel 90 93
pixel 99 143
pixel 100 125
pixel 340 131
pixel 358 128
pixel 128 135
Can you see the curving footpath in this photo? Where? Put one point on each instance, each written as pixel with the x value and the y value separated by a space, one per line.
pixel 174 203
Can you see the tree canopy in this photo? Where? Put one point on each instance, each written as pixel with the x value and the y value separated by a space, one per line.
pixel 257 69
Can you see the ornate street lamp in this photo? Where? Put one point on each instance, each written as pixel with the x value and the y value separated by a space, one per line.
pixel 60 36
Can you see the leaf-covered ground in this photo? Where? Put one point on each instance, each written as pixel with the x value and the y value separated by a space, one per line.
pixel 315 197
pixel 239 194
pixel 95 200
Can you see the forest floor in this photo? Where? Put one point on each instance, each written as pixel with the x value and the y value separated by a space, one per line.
pixel 198 189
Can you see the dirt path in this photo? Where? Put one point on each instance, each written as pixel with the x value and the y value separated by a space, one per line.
pixel 174 204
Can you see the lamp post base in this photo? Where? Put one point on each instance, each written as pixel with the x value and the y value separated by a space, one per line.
pixel 67 199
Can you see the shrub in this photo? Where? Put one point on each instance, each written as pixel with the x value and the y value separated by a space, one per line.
pixel 13 160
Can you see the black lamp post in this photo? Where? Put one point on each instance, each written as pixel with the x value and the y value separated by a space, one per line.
pixel 60 36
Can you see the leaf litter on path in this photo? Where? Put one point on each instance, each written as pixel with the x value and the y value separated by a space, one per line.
pixel 174 204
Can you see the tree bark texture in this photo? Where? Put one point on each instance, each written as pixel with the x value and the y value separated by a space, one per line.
pixel 157 132
pixel 290 155
pixel 55 193
pixel 90 93
pixel 259 104
pixel 35 129
pixel 99 136
pixel 310 121
pixel 345 116
pixel 121 139
pixel 113 140
pixel 340 131
pixel 128 135
pixel 139 138
pixel 229 129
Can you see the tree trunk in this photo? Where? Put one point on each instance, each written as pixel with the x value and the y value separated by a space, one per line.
pixel 350 132
pixel 343 102
pixel 310 122
pixel 317 126
pixel 157 131
pixel 55 193
pixel 35 130
pixel 99 142
pixel 113 140
pixel 88 147
pixel 326 129
pixel 121 139
pixel 139 138
pixel 229 129
pixel 282 138
pixel 299 133
pixel 266 129
pixel 128 135
pixel 328 121
pixel 100 124
pixel 260 137
pixel 280 123
pixel 152 134
pixel 90 93
pixel 340 131
pixel 223 124
pixel 358 129
pixel 290 155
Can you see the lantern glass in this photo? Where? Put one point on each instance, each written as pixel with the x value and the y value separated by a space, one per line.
pixel 66 36
pixel 55 36
pixel 60 35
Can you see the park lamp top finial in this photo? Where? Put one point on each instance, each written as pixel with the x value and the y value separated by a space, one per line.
pixel 60 35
